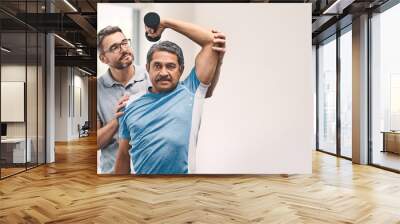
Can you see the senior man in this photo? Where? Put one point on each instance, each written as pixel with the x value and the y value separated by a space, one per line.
pixel 159 127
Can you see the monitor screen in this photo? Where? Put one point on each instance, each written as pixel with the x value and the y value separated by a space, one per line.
pixel 3 129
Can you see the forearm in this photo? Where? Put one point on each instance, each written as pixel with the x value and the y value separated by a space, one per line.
pixel 122 162
pixel 198 34
pixel 214 81
pixel 206 64
pixel 106 133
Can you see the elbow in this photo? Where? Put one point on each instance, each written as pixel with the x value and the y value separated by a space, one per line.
pixel 208 40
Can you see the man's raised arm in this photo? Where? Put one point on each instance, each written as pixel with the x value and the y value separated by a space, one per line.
pixel 220 47
pixel 207 58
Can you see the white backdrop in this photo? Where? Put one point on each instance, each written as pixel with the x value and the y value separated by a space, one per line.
pixel 260 118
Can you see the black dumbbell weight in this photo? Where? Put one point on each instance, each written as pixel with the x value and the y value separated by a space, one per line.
pixel 152 20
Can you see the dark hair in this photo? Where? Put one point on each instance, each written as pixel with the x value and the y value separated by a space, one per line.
pixel 108 30
pixel 169 47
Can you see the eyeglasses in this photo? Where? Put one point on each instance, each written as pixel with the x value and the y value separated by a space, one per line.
pixel 116 48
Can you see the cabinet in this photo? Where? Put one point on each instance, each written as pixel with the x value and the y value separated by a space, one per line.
pixel 391 142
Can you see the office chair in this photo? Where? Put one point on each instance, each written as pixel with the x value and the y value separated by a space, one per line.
pixel 84 130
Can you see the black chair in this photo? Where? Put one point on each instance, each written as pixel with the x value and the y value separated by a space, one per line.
pixel 84 130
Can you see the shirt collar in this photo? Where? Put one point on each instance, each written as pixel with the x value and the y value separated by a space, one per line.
pixel 139 76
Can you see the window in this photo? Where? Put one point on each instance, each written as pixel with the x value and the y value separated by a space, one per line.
pixel 385 88
pixel 327 96
pixel 346 93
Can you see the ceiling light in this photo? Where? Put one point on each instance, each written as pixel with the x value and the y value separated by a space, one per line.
pixel 5 50
pixel 70 5
pixel 80 51
pixel 64 40
pixel 84 71
pixel 338 6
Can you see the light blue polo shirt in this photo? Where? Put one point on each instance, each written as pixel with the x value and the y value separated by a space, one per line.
pixel 162 128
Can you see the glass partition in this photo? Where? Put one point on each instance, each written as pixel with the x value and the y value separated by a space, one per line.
pixel 22 88
pixel 13 103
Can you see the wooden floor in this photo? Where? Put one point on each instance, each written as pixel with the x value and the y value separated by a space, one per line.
pixel 5 172
pixel 69 191
pixel 10 171
pixel 387 159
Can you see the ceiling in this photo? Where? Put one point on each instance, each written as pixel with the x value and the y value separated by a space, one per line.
pixel 76 22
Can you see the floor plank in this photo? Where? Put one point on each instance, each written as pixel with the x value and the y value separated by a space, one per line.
pixel 70 191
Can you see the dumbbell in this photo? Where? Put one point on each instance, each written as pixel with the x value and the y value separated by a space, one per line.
pixel 152 20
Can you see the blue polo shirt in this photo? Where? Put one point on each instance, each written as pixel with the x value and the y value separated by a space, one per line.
pixel 162 128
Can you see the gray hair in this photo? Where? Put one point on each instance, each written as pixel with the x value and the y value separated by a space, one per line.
pixel 108 30
pixel 169 47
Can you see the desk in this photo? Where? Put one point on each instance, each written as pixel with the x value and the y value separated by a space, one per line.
pixel 391 141
pixel 13 150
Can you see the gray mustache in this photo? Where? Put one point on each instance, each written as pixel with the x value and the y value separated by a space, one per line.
pixel 160 78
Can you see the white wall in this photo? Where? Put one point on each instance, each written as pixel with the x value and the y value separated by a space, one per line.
pixel 80 83
pixel 61 103
pixel 66 121
pixel 260 119
pixel 16 73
